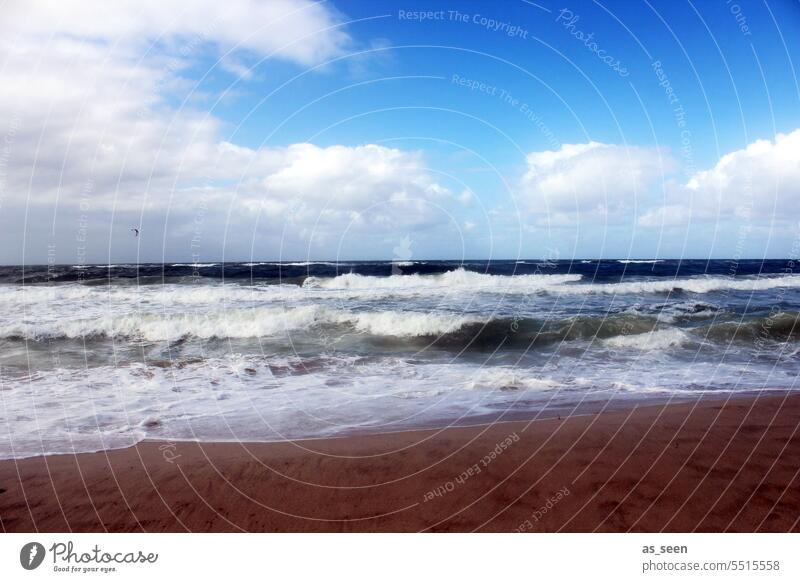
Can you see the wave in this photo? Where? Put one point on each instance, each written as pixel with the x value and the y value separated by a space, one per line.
pixel 463 280
pixel 294 264
pixel 639 261
pixel 457 279
pixel 405 324
pixel 133 296
pixel 164 317
pixel 657 339
pixel 310 263
pixel 777 326
pixel 457 283
pixel 691 285
pixel 240 323
pixel 45 294
pixel 441 328
pixel 681 311
pixel 527 332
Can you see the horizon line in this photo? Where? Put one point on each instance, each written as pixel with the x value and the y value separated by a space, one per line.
pixel 255 262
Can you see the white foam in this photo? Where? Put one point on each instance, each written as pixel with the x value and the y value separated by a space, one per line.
pixel 457 283
pixel 408 324
pixel 659 339
pixel 237 397
pixel 238 323
pixel 458 279
pixel 691 284
pixel 461 280
pixel 165 295
pixel 18 294
pixel 309 263
pixel 501 378
pixel 266 398
pixel 296 263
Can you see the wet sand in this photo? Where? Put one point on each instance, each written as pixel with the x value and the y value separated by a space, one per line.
pixel 709 465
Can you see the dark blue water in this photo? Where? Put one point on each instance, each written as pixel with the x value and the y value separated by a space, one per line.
pixel 600 271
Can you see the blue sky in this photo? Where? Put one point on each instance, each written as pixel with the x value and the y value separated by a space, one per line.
pixel 715 72
pixel 294 129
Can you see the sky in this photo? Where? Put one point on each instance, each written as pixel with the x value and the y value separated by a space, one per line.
pixel 296 130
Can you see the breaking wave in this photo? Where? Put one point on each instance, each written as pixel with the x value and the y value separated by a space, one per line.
pixel 446 329
pixel 690 285
pixel 351 285
pixel 460 279
pixel 657 326
pixel 455 279
pixel 240 323
pixel 660 339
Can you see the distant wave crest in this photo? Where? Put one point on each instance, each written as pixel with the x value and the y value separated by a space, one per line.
pixel 457 279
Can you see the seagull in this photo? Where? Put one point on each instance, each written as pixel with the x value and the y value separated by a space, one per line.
pixel 135 231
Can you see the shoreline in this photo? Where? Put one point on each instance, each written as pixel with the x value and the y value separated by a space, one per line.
pixel 477 420
pixel 704 465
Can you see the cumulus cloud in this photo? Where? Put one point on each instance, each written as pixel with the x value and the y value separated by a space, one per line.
pixel 88 87
pixel 342 176
pixel 594 181
pixel 89 102
pixel 339 187
pixel 591 178
pixel 758 183
pixel 763 178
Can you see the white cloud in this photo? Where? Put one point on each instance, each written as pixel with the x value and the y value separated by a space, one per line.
pixel 90 96
pixel 96 131
pixel 667 215
pixel 762 179
pixel 597 182
pixel 340 176
pixel 594 178
pixel 337 187
pixel 759 183
pixel 300 30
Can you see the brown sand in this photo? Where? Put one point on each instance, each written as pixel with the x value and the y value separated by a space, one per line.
pixel 704 466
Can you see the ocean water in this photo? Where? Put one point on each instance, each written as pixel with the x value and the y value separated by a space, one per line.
pixel 102 356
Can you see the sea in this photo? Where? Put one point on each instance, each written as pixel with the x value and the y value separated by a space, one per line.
pixel 96 357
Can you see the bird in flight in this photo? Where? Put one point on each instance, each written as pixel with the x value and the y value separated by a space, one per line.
pixel 135 231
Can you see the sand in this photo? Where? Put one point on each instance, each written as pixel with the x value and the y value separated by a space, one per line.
pixel 709 465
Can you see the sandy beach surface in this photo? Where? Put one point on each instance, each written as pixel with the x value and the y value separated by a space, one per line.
pixel 707 465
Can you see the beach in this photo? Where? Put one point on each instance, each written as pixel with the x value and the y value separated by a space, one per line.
pixel 709 465
pixel 292 267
